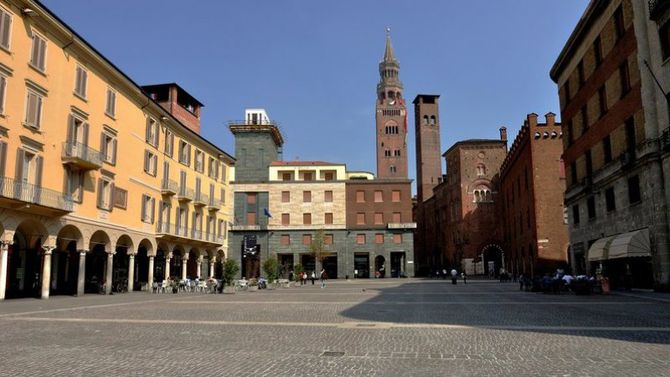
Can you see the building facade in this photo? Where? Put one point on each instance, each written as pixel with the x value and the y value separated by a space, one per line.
pixel 532 184
pixel 614 115
pixel 78 213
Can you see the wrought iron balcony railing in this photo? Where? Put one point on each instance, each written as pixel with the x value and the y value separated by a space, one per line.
pixel 200 199
pixel 169 187
pixel 185 194
pixel 81 155
pixel 30 193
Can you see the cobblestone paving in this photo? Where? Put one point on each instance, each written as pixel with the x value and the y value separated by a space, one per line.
pixel 362 328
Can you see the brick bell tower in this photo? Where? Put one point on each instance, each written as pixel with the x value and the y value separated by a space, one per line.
pixel 391 117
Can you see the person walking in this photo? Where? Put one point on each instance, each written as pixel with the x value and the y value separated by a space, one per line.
pixel 313 277
pixel 323 278
pixel 465 278
pixel 454 276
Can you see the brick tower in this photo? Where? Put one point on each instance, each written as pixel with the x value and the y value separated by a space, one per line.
pixel 391 116
pixel 427 131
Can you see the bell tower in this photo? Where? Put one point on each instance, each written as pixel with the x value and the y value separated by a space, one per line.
pixel 391 118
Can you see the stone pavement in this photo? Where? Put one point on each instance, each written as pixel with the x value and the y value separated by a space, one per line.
pixel 384 327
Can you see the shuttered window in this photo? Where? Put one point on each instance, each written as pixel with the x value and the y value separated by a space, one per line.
pixel 38 52
pixel 148 208
pixel 169 143
pixel 110 108
pixel 3 89
pixel 108 148
pixel 5 28
pixel 150 163
pixel 33 109
pixel 120 198
pixel 151 136
pixel 81 77
pixel 3 158
pixel 105 190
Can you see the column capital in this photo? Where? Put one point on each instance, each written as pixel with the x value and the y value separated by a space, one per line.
pixel 47 250
pixel 6 244
pixel 83 252
pixel 131 255
pixel 185 258
pixel 111 253
pixel 151 257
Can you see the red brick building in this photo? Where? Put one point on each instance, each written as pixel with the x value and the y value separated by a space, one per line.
pixel 532 184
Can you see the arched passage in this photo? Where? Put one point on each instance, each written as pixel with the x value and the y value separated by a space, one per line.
pixel 494 259
pixel 121 265
pixel 141 276
pixel 65 261
pixel 218 266
pixel 96 262
pixel 193 264
pixel 380 268
pixel 24 260
pixel 176 262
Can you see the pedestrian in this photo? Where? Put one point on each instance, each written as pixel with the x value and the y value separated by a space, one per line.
pixel 313 276
pixel 437 274
pixel 465 278
pixel 324 276
pixel 444 274
pixel 290 275
pixel 454 276
pixel 304 278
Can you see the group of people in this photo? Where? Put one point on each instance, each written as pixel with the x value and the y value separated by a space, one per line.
pixel 453 274
pixel 303 276
pixel 557 282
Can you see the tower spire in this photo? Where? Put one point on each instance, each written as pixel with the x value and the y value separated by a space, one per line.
pixel 388 50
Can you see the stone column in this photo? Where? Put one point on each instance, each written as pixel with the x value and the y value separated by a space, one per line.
pixel 212 261
pixel 81 275
pixel 46 271
pixel 131 272
pixel 198 264
pixel 167 268
pixel 151 271
pixel 184 264
pixel 4 252
pixel 108 272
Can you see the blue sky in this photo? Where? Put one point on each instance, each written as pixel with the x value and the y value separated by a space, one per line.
pixel 313 64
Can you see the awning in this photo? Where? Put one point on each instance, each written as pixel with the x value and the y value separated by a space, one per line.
pixel 631 244
pixel 598 251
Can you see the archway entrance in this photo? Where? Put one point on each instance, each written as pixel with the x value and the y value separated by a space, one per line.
pixel 96 263
pixel 380 268
pixel 494 258
pixel 192 264
pixel 65 270
pixel 159 265
pixel 329 264
pixel 142 268
pixel 175 264
pixel 24 263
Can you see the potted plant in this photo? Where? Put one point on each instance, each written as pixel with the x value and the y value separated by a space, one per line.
pixel 271 268
pixel 230 270
pixel 253 284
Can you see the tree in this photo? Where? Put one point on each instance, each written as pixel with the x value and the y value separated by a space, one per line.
pixel 271 268
pixel 317 247
pixel 297 269
pixel 230 270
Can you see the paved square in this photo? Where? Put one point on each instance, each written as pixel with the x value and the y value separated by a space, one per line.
pixel 356 328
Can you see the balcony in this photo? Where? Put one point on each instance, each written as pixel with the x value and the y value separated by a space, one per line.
pixel 185 194
pixel 200 200
pixel 214 204
pixel 169 187
pixel 658 8
pixel 81 156
pixel 181 233
pixel 29 193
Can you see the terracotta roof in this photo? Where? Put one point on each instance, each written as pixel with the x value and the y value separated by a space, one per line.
pixel 303 163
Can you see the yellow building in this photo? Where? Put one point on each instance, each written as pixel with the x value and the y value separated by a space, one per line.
pixel 104 183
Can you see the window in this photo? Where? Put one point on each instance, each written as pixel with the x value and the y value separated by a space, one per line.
pixel 610 203
pixel 3 87
pixel 81 77
pixel 5 28
pixel 378 196
pixel 199 161
pixel 360 196
pixel 589 163
pixel 387 153
pixel 108 147
pixel 328 239
pixel 169 143
pixel 481 170
pixel 379 238
pixel 306 196
pixel 77 133
pixel 585 119
pixel 395 196
pixel 74 184
pixel 285 196
pixel 396 217
pixel 286 176
pixel 148 207
pixel 329 176
pixel 618 23
pixel 624 79
pixel 285 239
pixel 151 136
pixel 379 218
pixel 213 169
pixel 360 239
pixel 631 140
pixel 580 73
pixel 110 107
pixel 571 134
pixel 328 218
pixel 38 52
pixel 397 238
pixel 634 189
pixel 105 189
pixel 223 172
pixel 664 34
pixel 392 169
pixel 34 109
pixel 566 88
pixel 306 218
pixel 575 214
pixel 150 163
pixel 396 153
pixel 223 196
pixel 306 239
pixel 121 198
pixel 591 207
pixel 328 196
pixel 602 100
pixel 184 153
pixel 607 149
pixel 251 218
pixel 307 177
pixel 360 218
pixel 285 219
pixel 573 172
pixel 597 51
